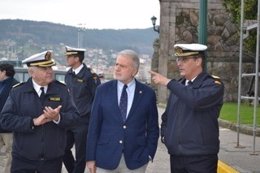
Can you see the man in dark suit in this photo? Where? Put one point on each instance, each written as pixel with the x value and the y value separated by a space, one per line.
pixel 123 130
pixel 7 81
pixel 38 112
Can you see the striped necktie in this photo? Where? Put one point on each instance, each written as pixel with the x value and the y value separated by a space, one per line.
pixel 123 103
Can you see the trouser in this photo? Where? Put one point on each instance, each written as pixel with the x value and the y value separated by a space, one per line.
pixel 122 168
pixel 7 139
pixel 78 136
pixel 23 165
pixel 194 164
pixel 6 142
pixel 2 144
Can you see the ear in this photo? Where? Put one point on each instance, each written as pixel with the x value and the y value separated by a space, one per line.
pixel 30 71
pixel 135 72
pixel 77 58
pixel 199 61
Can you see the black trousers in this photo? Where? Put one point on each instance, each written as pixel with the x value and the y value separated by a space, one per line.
pixel 22 165
pixel 78 136
pixel 194 164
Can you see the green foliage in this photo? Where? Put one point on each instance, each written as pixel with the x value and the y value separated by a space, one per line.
pixel 250 10
pixel 250 13
pixel 229 113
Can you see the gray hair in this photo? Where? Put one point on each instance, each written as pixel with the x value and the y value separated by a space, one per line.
pixel 131 54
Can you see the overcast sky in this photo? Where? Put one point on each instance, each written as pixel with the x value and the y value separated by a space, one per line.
pixel 93 14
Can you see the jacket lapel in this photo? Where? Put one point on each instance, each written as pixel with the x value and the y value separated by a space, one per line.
pixel 137 98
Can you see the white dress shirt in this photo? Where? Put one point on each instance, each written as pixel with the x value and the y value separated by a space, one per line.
pixel 77 70
pixel 37 88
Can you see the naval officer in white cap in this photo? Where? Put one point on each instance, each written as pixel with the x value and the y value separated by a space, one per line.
pixel 82 85
pixel 189 126
pixel 39 111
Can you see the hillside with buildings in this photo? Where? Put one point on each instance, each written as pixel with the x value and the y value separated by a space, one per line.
pixel 21 38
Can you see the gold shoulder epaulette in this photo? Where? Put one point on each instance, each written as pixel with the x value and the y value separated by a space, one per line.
pixel 217 82
pixel 217 79
pixel 18 84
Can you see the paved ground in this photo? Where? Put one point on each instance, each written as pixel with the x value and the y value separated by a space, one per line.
pixel 160 163
pixel 240 155
pixel 244 159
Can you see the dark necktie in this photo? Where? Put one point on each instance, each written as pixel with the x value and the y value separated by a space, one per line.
pixel 123 103
pixel 42 94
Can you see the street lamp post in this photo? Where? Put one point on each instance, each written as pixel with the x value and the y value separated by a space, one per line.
pixel 203 15
pixel 78 36
pixel 155 28
pixel 81 27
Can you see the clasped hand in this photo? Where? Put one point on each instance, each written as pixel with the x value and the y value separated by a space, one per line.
pixel 49 114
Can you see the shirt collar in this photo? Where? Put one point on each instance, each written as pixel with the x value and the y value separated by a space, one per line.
pixel 186 81
pixel 77 70
pixel 121 85
pixel 37 87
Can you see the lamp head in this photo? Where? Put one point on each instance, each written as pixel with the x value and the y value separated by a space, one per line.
pixel 153 20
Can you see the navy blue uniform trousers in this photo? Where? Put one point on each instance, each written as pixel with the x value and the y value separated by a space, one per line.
pixel 22 165
pixel 77 135
pixel 194 164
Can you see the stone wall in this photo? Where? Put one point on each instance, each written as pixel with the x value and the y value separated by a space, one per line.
pixel 179 24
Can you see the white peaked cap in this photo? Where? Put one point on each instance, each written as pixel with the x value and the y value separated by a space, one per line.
pixel 189 49
pixel 43 59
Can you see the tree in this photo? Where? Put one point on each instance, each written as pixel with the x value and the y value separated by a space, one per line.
pixel 250 13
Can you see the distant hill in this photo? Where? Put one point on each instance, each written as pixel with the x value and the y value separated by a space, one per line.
pixel 26 36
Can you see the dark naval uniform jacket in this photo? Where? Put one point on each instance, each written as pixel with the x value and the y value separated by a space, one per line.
pixel 82 88
pixel 43 142
pixel 7 86
pixel 190 121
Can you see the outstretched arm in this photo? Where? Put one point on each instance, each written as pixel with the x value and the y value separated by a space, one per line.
pixel 159 79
